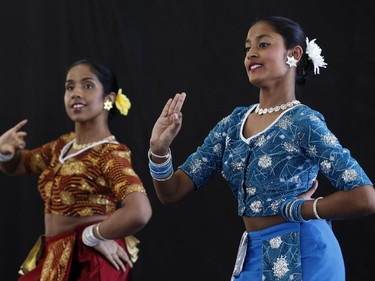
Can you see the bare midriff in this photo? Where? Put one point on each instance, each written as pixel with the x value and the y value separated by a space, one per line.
pixel 56 224
pixel 259 223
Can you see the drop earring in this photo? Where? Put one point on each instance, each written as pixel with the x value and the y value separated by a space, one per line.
pixel 291 61
pixel 108 105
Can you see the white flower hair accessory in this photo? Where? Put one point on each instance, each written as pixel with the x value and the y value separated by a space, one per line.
pixel 314 53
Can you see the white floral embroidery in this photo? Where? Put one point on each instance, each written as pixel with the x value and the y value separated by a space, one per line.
pixel 313 117
pixel 265 161
pixel 275 242
pixel 280 267
pixel 256 206
pixel 251 190
pixel 275 205
pixel 290 147
pixel 349 175
pixel 227 140
pixel 237 165
pixel 217 148
pixel 225 119
pixel 330 139
pixel 196 166
pixel 285 122
pixel 326 166
pixel 312 151
pixel 260 141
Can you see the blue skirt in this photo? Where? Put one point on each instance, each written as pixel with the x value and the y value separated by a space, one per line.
pixel 307 251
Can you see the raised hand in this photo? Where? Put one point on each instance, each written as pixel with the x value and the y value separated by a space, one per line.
pixel 167 125
pixel 13 139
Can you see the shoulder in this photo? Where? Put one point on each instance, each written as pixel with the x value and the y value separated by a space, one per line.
pixel 68 137
pixel 116 150
pixel 303 113
pixel 60 142
pixel 236 115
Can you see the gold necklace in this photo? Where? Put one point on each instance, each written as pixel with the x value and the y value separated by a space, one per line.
pixel 77 146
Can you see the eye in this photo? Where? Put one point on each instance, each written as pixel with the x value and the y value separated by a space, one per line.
pixel 88 86
pixel 247 49
pixel 69 88
pixel 263 45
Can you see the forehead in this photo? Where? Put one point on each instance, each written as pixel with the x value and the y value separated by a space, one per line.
pixel 261 30
pixel 79 71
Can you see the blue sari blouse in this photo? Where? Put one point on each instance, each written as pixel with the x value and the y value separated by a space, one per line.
pixel 278 163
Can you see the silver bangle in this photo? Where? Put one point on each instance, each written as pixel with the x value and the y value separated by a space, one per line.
pixel 315 209
pixel 98 233
pixel 160 156
pixel 6 157
pixel 88 237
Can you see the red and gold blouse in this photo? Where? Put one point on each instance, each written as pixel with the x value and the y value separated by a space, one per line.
pixel 90 182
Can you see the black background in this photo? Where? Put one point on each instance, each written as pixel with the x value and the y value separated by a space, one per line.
pixel 158 48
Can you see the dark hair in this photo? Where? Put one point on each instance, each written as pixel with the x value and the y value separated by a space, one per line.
pixel 105 75
pixel 293 35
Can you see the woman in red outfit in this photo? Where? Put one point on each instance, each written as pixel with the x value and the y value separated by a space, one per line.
pixel 83 177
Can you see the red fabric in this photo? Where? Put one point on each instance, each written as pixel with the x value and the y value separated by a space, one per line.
pixel 84 263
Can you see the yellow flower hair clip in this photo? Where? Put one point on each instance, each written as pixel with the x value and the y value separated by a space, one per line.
pixel 122 103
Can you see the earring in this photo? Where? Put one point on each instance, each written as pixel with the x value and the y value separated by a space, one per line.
pixel 108 105
pixel 291 61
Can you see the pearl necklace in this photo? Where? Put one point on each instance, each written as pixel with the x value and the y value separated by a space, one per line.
pixel 84 145
pixel 277 108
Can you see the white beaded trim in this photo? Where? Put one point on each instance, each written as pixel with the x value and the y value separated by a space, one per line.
pixel 277 108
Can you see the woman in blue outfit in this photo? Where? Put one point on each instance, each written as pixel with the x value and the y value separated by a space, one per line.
pixel 270 154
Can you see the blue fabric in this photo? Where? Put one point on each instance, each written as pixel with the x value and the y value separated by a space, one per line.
pixel 306 251
pixel 278 163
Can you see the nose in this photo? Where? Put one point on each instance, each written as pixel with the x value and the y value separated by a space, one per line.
pixel 251 54
pixel 76 93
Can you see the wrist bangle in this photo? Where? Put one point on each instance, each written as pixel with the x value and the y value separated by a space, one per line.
pixel 6 157
pixel 98 233
pixel 160 156
pixel 315 209
pixel 88 237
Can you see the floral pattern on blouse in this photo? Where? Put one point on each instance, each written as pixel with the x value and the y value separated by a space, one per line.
pixel 278 163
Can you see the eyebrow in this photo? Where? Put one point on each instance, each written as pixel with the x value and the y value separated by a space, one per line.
pixel 82 80
pixel 259 37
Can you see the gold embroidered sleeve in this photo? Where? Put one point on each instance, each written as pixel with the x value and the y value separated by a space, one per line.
pixel 120 174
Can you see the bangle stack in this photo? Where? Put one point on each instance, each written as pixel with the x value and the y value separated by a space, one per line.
pixel 88 237
pixel 315 208
pixel 161 171
pixel 6 157
pixel 291 210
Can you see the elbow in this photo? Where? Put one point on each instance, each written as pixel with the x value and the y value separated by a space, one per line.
pixel 144 215
pixel 366 203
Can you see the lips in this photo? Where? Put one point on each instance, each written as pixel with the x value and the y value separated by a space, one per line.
pixel 254 66
pixel 77 106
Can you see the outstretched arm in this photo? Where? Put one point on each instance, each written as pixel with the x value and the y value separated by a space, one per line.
pixel 176 184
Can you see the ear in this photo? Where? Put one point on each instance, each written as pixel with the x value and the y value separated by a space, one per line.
pixel 296 52
pixel 110 97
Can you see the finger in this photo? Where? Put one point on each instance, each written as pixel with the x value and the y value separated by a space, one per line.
pixel 176 103
pixel 112 260
pixel 20 125
pixel 179 102
pixel 125 257
pixel 119 263
pixel 164 112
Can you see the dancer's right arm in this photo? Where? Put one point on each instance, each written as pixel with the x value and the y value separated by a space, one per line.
pixel 12 143
pixel 164 131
